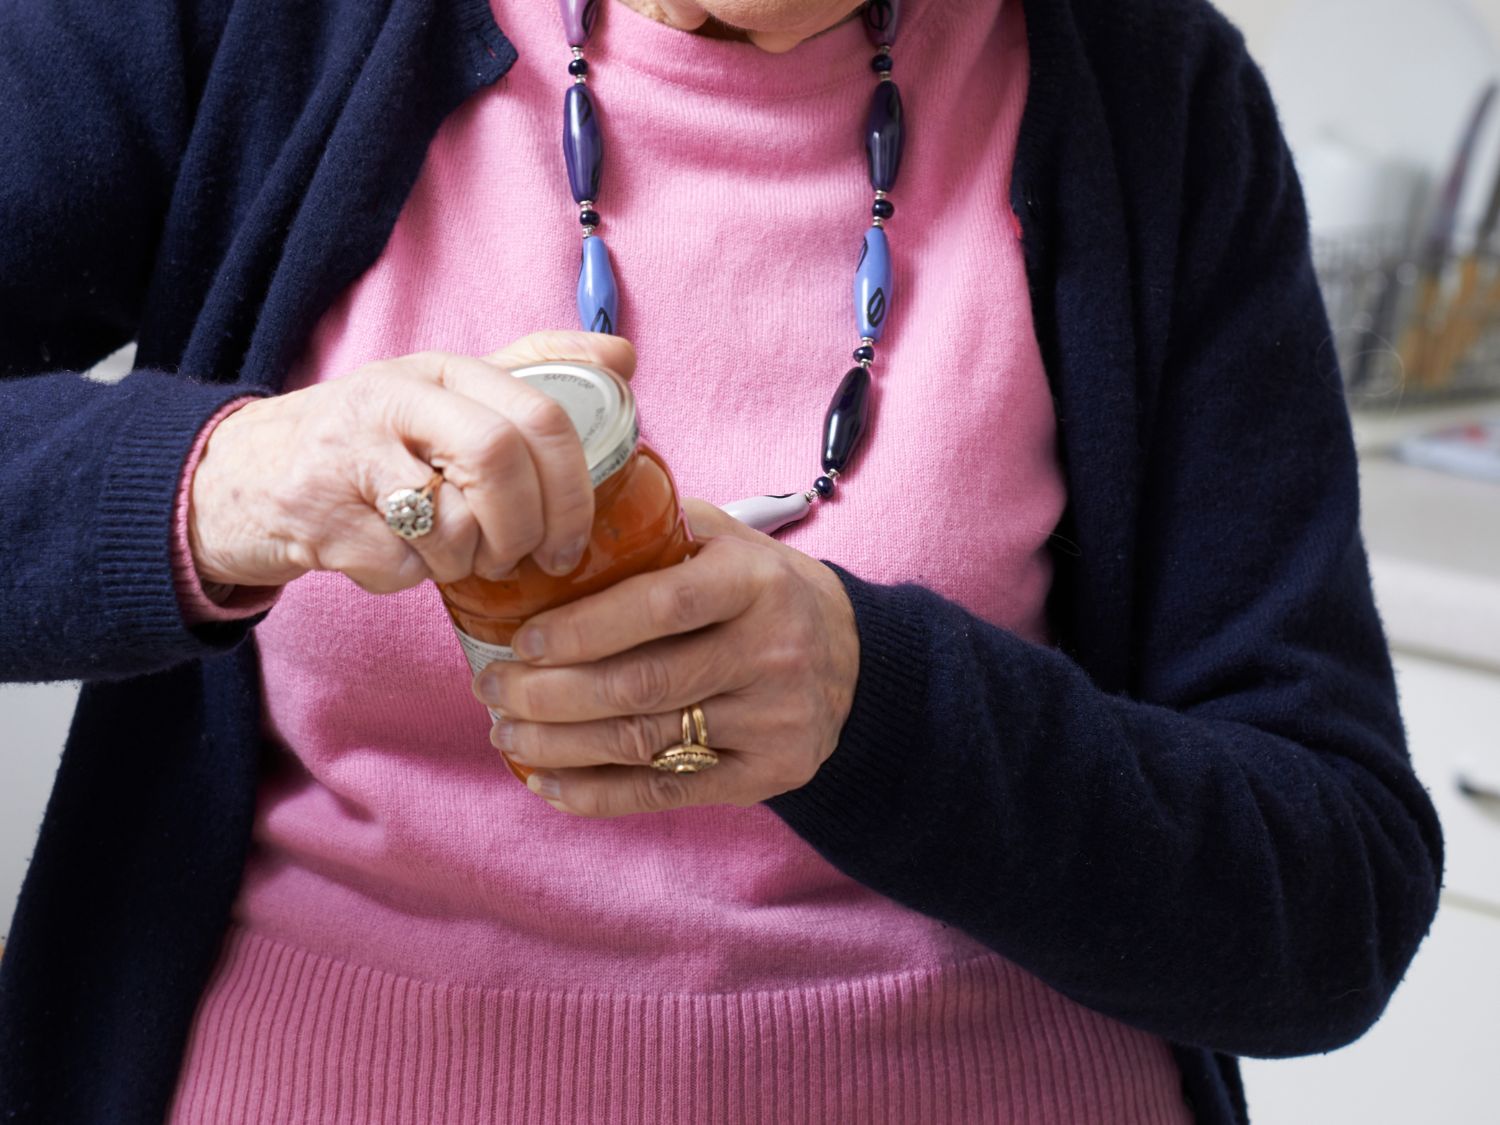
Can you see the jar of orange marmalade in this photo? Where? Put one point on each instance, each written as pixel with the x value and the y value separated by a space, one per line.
pixel 638 520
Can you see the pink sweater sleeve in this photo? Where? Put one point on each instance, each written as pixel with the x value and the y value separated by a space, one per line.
pixel 201 601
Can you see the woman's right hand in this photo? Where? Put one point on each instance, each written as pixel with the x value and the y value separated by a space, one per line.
pixel 296 482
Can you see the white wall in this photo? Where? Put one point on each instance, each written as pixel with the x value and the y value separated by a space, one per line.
pixel 1261 19
pixel 33 721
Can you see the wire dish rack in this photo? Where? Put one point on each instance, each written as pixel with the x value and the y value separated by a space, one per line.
pixel 1409 330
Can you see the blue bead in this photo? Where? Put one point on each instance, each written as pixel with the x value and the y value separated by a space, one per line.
pixel 883 209
pixel 589 218
pixel 823 486
pixel 598 297
pixel 884 136
pixel 844 424
pixel 583 146
pixel 872 284
pixel 578 67
pixel 865 353
pixel 882 63
pixel 882 18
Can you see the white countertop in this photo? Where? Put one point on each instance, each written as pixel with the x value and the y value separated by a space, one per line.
pixel 1433 539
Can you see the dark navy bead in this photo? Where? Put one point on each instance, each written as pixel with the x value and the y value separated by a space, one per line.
pixel 589 218
pixel 864 353
pixel 881 63
pixel 883 209
pixel 844 424
pixel 881 19
pixel 884 136
pixel 578 67
pixel 583 146
pixel 823 486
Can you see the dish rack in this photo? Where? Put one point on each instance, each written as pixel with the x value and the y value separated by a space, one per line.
pixel 1410 331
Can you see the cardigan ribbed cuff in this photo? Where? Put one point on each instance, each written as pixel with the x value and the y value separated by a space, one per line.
pixel 142 613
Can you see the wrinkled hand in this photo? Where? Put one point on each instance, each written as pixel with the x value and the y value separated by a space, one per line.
pixel 296 482
pixel 760 635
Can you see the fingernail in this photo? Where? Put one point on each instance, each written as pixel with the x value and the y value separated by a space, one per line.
pixel 544 785
pixel 566 561
pixel 528 644
pixel 487 687
pixel 502 736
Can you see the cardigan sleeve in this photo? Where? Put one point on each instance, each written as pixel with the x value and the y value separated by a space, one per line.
pixel 1236 853
pixel 97 102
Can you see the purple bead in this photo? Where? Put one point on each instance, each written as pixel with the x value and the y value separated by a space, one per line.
pixel 823 486
pixel 579 17
pixel 844 424
pixel 583 146
pixel 881 20
pixel 884 136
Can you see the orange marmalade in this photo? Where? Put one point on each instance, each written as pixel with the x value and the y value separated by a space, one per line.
pixel 638 521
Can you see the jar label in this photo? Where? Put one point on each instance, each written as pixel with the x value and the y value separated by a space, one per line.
pixel 482 653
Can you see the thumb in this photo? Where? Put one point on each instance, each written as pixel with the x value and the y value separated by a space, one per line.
pixel 613 352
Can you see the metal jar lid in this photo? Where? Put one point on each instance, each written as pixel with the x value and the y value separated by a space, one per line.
pixel 601 406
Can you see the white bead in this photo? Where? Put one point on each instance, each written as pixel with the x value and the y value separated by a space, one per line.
pixel 769 514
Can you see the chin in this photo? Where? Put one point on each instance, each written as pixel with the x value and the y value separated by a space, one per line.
pixel 806 17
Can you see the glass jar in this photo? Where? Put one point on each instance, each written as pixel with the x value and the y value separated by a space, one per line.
pixel 638 520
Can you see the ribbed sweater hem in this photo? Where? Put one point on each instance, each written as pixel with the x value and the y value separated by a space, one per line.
pixel 288 1036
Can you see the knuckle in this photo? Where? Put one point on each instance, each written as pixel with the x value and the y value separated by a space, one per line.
pixel 543 416
pixel 497 445
pixel 635 740
pixel 657 792
pixel 589 802
pixel 641 684
pixel 674 604
pixel 523 696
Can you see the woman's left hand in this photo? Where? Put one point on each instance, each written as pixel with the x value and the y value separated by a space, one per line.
pixel 758 634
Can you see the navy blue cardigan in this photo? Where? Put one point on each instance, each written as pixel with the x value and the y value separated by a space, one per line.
pixel 1195 815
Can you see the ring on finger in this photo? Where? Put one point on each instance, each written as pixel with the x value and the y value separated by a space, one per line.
pixel 409 512
pixel 693 754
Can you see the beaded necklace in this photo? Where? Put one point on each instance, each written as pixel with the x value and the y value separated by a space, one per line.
pixel 847 417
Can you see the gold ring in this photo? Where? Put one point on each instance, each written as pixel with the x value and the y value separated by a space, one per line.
pixel 693 754
pixel 409 512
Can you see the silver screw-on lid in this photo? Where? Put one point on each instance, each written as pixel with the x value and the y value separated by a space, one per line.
pixel 601 406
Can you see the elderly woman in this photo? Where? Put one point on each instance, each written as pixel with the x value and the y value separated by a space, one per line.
pixel 1059 759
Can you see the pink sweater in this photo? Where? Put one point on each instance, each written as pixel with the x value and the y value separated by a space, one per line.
pixel 417 936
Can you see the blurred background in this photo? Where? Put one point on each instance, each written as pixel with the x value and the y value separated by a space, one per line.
pixel 1389 109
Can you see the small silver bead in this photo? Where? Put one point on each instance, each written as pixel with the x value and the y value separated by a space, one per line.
pixel 882 195
pixel 866 363
pixel 586 205
pixel 588 232
pixel 811 497
pixel 580 79
pixel 832 474
pixel 886 77
pixel 578 52
pixel 867 341
pixel 877 221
